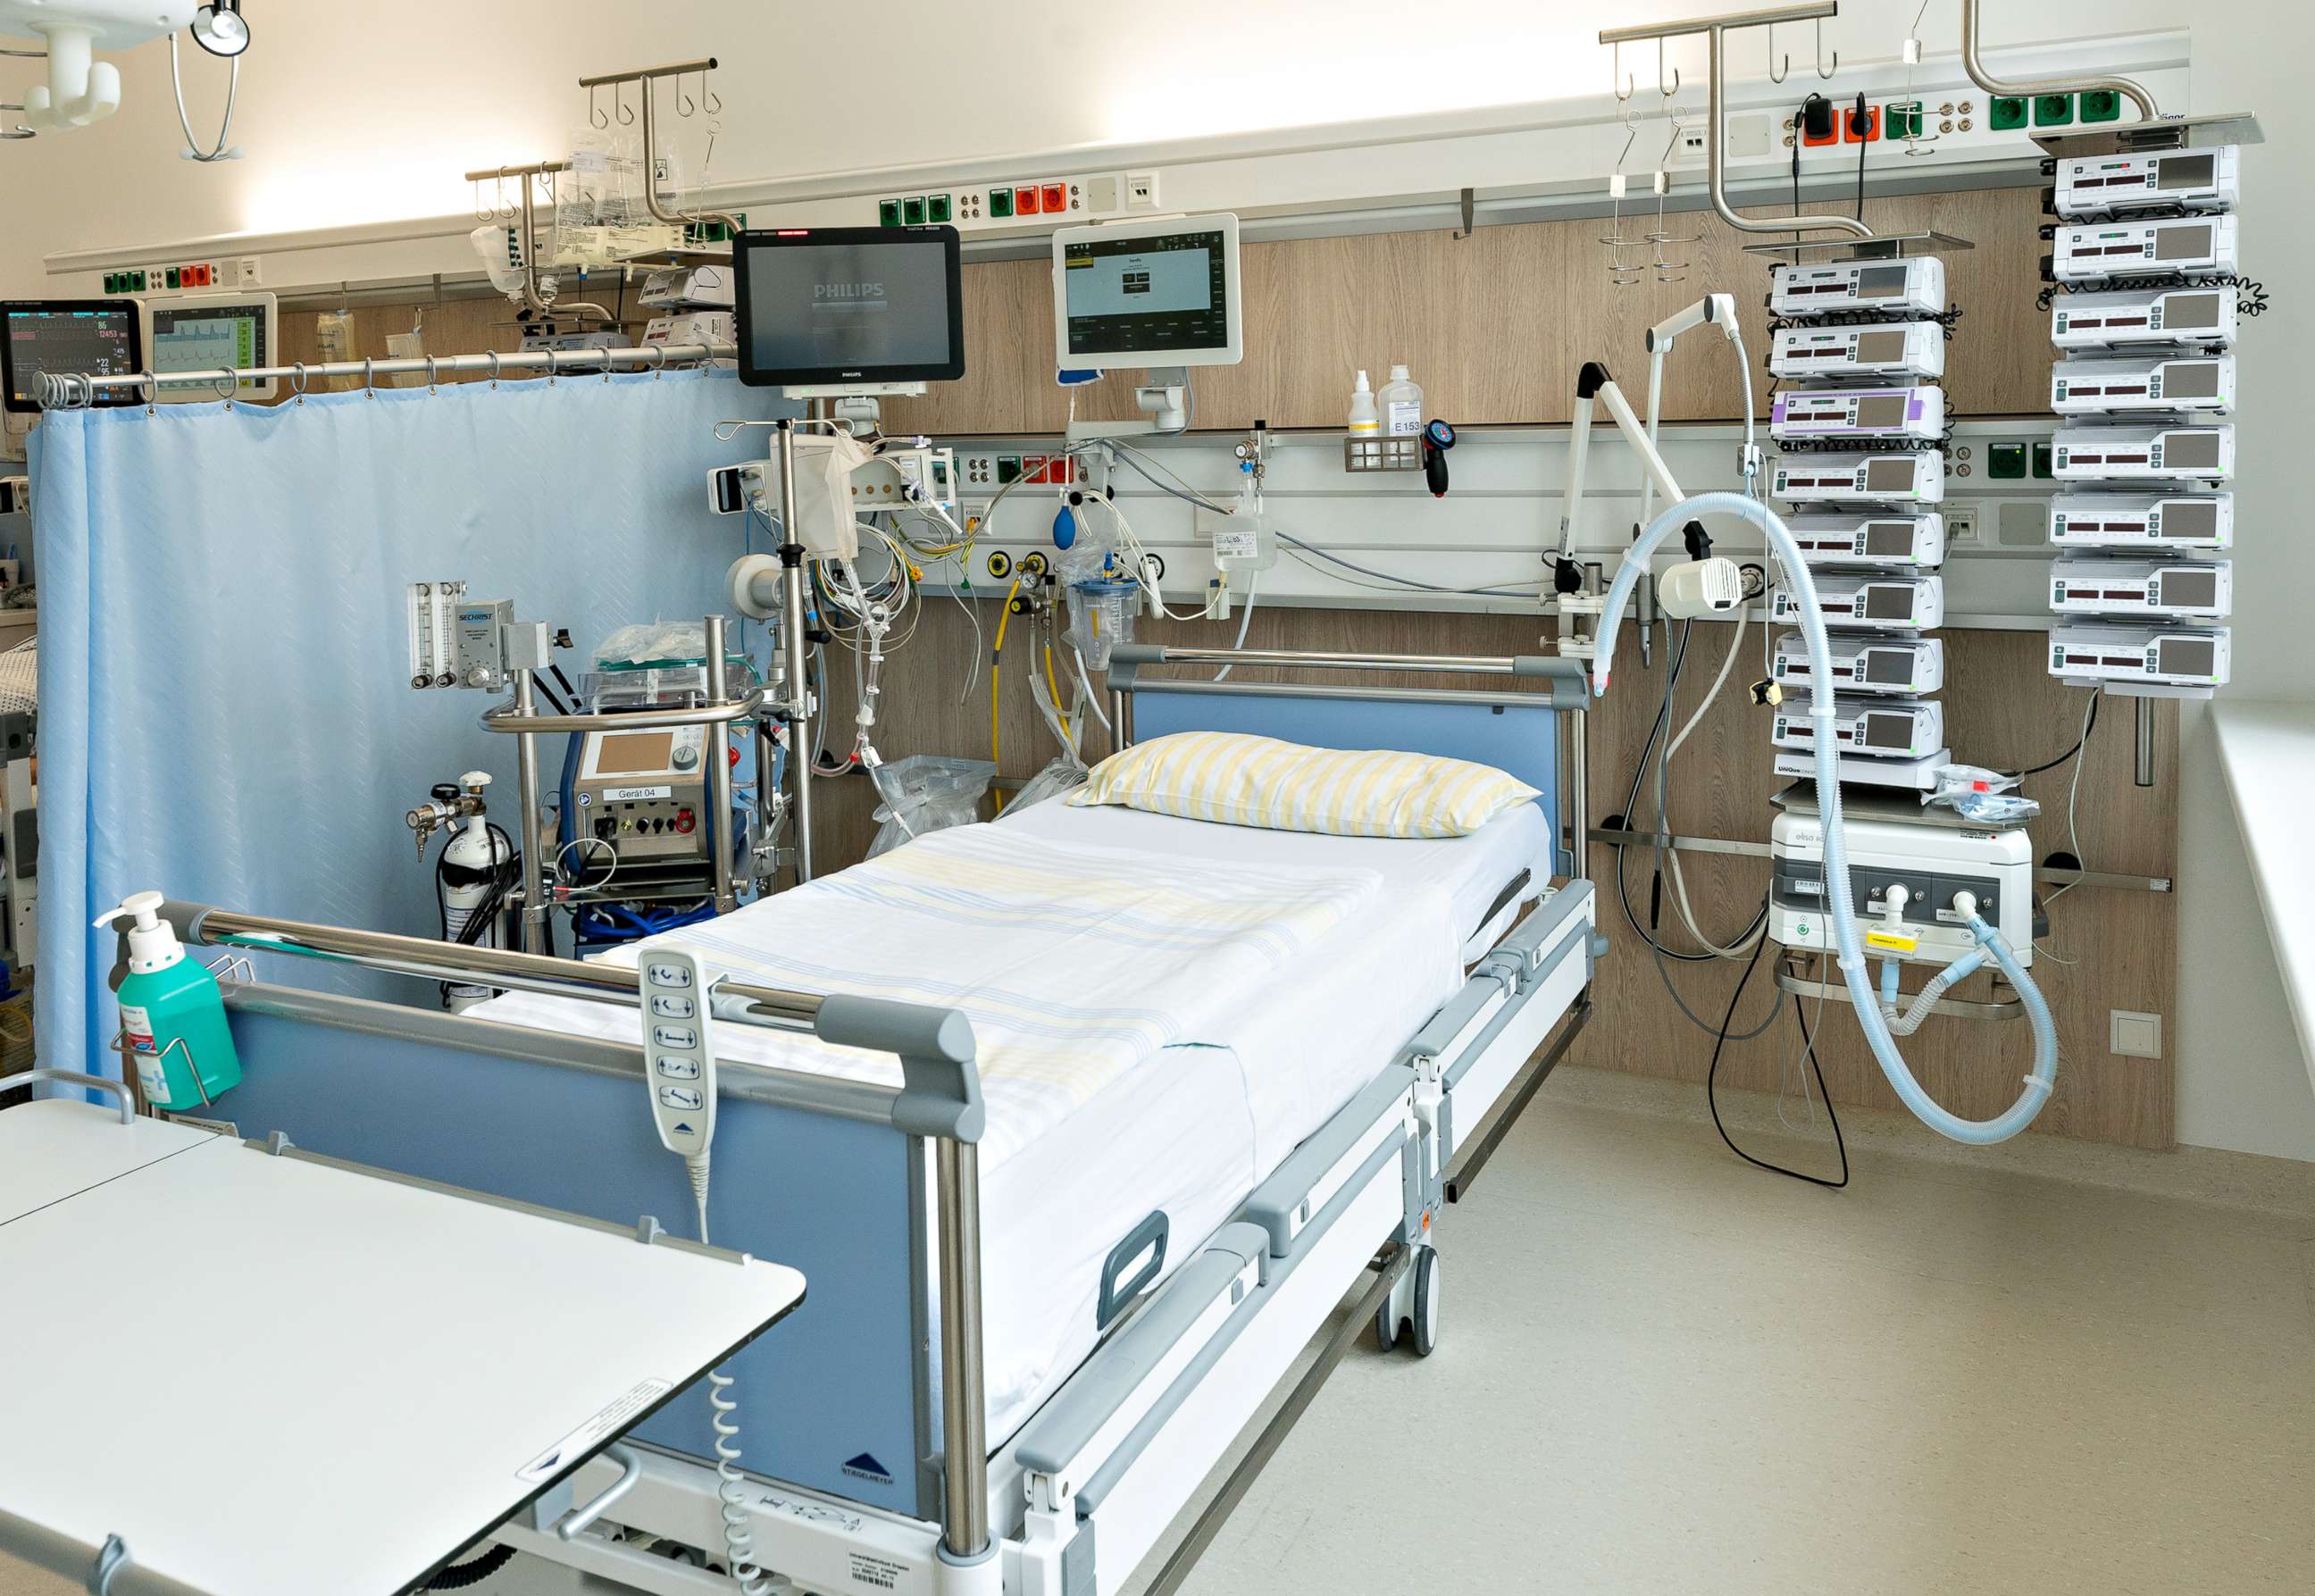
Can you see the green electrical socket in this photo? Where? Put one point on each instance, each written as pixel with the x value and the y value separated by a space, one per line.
pixel 2101 105
pixel 2052 110
pixel 2008 112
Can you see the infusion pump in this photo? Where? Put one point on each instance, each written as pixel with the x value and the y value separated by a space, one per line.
pixel 2190 179
pixel 2197 246
pixel 1887 349
pixel 1911 287
pixel 1902 729
pixel 2151 659
pixel 1853 539
pixel 2202 317
pixel 1863 664
pixel 2199 522
pixel 1913 477
pixel 2199 383
pixel 1869 415
pixel 1882 603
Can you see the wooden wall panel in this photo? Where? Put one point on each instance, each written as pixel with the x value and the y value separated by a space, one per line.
pixel 1494 324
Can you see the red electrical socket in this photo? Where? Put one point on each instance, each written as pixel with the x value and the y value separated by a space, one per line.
pixel 1033 469
pixel 1056 198
pixel 1024 201
pixel 1850 123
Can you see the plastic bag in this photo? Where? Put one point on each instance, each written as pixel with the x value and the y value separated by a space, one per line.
pixel 927 793
pixel 1977 794
pixel 1064 775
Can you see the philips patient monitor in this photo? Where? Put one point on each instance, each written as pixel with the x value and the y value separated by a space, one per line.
pixel 848 310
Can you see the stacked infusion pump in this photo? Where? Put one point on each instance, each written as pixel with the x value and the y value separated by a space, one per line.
pixel 1859 421
pixel 2143 315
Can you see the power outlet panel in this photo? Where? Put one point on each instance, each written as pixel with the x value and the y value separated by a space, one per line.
pixel 1962 527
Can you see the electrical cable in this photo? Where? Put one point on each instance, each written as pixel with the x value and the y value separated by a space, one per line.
pixel 460 1575
pixel 1712 1084
pixel 2089 723
pixel 730 1485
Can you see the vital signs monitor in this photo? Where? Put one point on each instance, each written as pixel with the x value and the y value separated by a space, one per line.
pixel 214 332
pixel 1143 295
pixel 88 337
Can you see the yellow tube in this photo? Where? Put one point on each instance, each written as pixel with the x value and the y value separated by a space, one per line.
pixel 1054 687
pixel 996 656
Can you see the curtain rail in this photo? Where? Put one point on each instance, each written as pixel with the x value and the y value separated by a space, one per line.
pixel 77 390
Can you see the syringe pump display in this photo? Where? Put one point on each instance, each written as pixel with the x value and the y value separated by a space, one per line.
pixel 1878 603
pixel 2187 659
pixel 1913 286
pixel 2198 383
pixel 1903 728
pixel 1913 416
pixel 1837 540
pixel 2188 179
pixel 2143 453
pixel 2178 590
pixel 2192 246
pixel 1864 664
pixel 2203 317
pixel 2202 522
pixel 1894 349
pixel 1909 478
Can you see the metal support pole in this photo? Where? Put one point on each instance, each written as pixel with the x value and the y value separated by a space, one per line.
pixel 535 910
pixel 2027 89
pixel 718 770
pixel 1716 153
pixel 1117 737
pixel 1579 793
pixel 965 1517
pixel 2144 772
pixel 798 656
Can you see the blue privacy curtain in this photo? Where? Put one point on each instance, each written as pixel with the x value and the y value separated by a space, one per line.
pixel 226 708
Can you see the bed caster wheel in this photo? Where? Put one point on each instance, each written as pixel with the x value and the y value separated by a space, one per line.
pixel 1426 1321
pixel 1386 1325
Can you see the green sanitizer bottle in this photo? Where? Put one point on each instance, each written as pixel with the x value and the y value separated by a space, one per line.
pixel 172 1015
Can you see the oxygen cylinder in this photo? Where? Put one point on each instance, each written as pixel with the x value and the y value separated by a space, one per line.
pixel 466 880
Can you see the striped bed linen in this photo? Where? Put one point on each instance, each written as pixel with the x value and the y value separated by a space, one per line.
pixel 1074 963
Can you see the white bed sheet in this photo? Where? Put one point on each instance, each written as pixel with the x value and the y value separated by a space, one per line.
pixel 1195 1130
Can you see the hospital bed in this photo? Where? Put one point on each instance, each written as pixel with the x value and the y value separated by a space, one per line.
pixel 1016 1377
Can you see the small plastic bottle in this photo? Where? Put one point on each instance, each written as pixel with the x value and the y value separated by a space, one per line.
pixel 172 1013
pixel 1402 405
pixel 1364 420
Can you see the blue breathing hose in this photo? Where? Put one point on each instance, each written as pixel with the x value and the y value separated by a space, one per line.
pixel 1843 911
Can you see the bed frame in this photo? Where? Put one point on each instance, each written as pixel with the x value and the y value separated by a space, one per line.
pixel 870 1475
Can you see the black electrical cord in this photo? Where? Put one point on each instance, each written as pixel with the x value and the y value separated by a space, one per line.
pixel 2097 697
pixel 459 1577
pixel 1864 126
pixel 1712 1082
pixel 554 703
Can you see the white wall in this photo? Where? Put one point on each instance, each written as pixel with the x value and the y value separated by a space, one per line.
pixel 359 113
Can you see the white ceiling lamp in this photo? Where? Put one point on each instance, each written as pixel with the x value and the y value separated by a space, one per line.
pixel 81 89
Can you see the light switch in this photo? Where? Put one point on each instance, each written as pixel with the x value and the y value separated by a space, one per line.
pixel 2135 1035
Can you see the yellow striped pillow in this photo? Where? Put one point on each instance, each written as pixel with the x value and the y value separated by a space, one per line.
pixel 1242 780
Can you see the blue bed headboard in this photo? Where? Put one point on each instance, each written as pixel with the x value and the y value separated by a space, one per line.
pixel 1518 734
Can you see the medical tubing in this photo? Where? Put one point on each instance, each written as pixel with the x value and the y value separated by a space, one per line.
pixel 730 1485
pixel 1960 970
pixel 1842 905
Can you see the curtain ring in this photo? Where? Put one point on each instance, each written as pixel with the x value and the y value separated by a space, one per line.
pixel 151 386
pixel 660 349
pixel 369 376
pixel 432 379
pixel 222 387
pixel 496 360
pixel 298 380
pixel 109 1561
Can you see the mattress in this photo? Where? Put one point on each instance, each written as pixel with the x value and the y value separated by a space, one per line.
pixel 1195 1126
pixel 1195 1131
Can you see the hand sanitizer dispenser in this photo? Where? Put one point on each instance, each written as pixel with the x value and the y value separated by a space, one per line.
pixel 172 1017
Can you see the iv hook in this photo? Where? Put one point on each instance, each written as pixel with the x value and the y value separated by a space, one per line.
pixel 595 113
pixel 708 97
pixel 1631 84
pixel 1775 75
pixel 1822 69
pixel 1666 93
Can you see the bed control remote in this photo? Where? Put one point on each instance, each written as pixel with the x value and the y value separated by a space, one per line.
pixel 679 1049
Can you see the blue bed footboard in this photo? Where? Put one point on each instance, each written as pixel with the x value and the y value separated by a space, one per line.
pixel 835 1398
